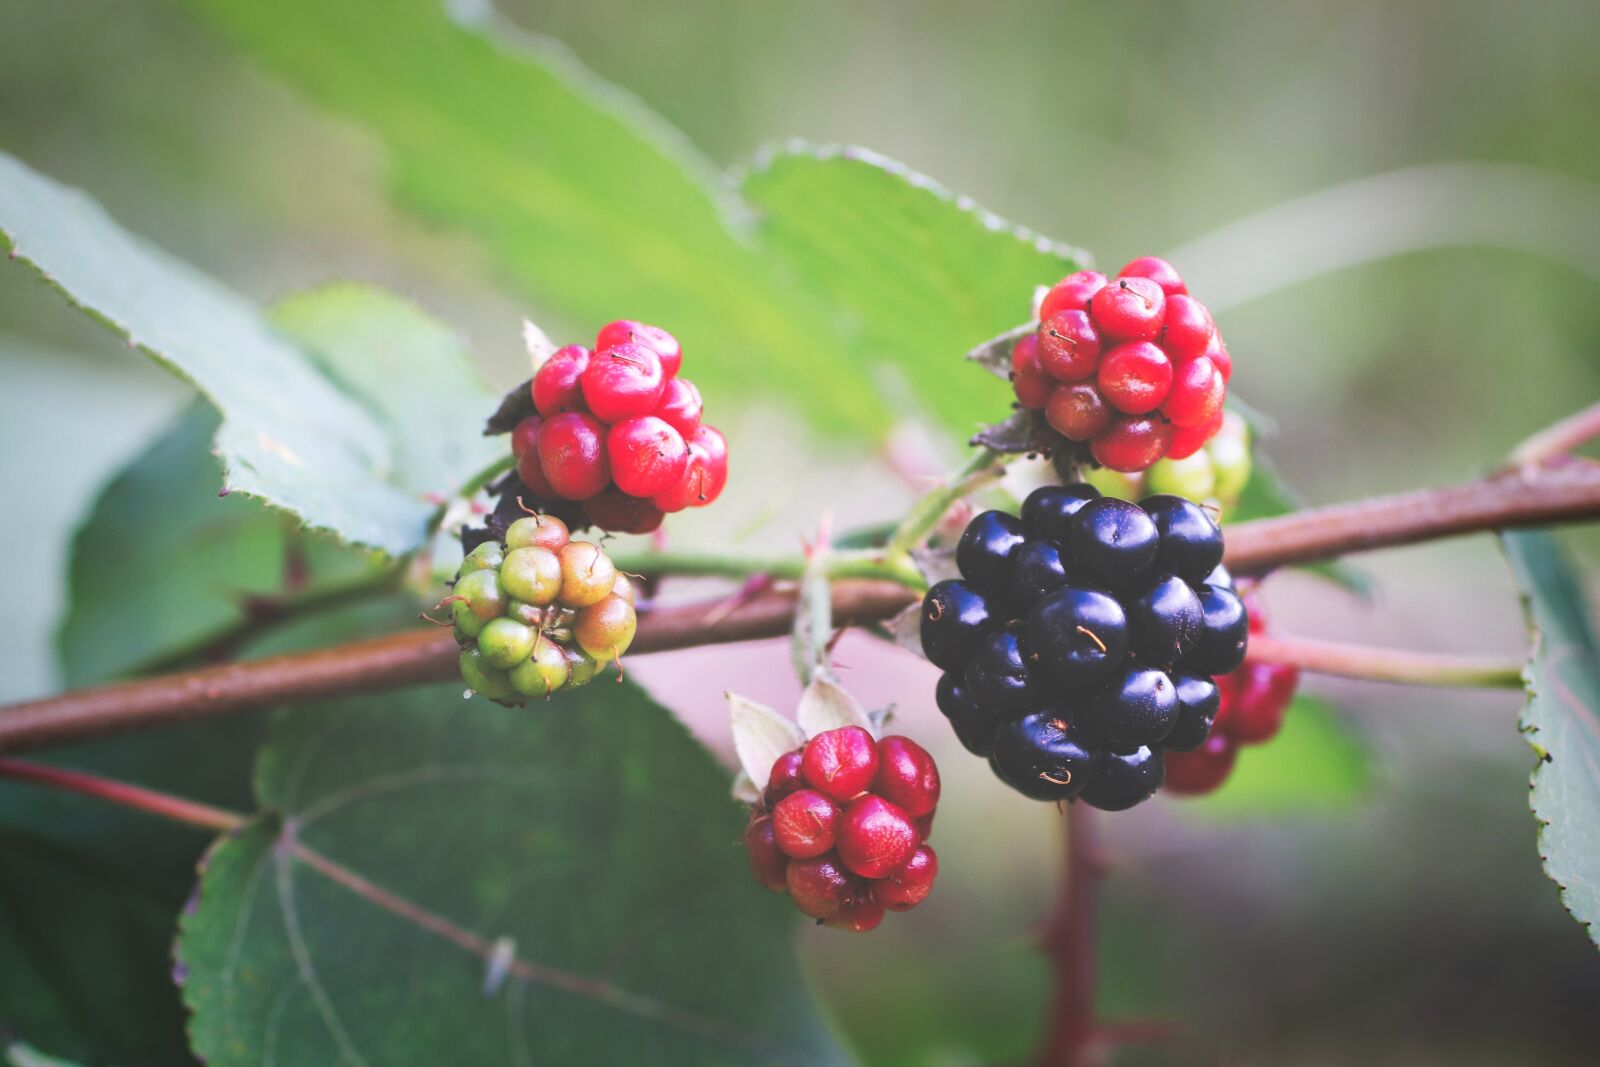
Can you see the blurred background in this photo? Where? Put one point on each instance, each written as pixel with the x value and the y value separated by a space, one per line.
pixel 1395 210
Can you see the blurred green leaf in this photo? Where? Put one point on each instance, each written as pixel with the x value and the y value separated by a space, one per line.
pixel 594 209
pixel 288 435
pixel 909 271
pixel 21 1055
pixel 407 369
pixel 1316 763
pixel 1560 719
pixel 593 833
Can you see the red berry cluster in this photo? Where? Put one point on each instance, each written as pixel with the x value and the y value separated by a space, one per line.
pixel 1132 365
pixel 620 431
pixel 1253 699
pixel 842 827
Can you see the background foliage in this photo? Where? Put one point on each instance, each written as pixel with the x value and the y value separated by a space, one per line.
pixel 445 160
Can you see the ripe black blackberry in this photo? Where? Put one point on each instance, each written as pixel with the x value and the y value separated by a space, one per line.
pixel 1081 639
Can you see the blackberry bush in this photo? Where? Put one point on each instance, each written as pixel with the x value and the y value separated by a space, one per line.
pixel 1081 640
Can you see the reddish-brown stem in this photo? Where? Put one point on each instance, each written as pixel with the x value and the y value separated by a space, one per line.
pixel 121 793
pixel 1559 438
pixel 1529 496
pixel 1563 490
pixel 1072 1033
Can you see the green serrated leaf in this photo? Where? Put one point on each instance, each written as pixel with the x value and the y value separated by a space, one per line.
pixel 414 834
pixel 1316 763
pixel 853 265
pixel 288 435
pixel 910 272
pixel 1561 719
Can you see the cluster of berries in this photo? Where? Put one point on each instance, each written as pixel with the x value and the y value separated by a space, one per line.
pixel 1215 475
pixel 1253 699
pixel 842 827
pixel 1082 639
pixel 1132 365
pixel 539 612
pixel 618 430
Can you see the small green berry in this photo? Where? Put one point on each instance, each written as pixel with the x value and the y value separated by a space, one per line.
pixel 584 668
pixel 1231 458
pixel 485 596
pixel 527 614
pixel 483 679
pixel 541 531
pixel 468 625
pixel 586 574
pixel 486 557
pixel 623 587
pixel 532 575
pixel 1114 483
pixel 542 673
pixel 605 630
pixel 505 642
pixel 1191 476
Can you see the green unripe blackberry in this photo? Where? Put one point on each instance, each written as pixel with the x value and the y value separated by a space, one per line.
pixel 485 680
pixel 1192 476
pixel 537 531
pixel 1230 458
pixel 532 575
pixel 543 672
pixel 623 587
pixel 486 557
pixel 505 642
pixel 605 630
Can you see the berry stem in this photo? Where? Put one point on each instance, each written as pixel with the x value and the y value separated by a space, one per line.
pixel 1559 438
pixel 986 466
pixel 121 793
pixel 1387 664
pixel 472 486
pixel 859 563
pixel 1072 1037
pixel 1564 491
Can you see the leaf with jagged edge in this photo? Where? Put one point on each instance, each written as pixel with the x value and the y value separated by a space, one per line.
pixel 836 266
pixel 403 838
pixel 1561 719
pixel 289 436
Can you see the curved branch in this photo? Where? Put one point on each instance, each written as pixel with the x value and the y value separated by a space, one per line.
pixel 1563 490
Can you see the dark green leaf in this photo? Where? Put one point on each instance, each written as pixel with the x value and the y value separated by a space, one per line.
pixel 591 832
pixel 162 568
pixel 288 435
pixel 1314 764
pixel 89 894
pixel 1561 719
